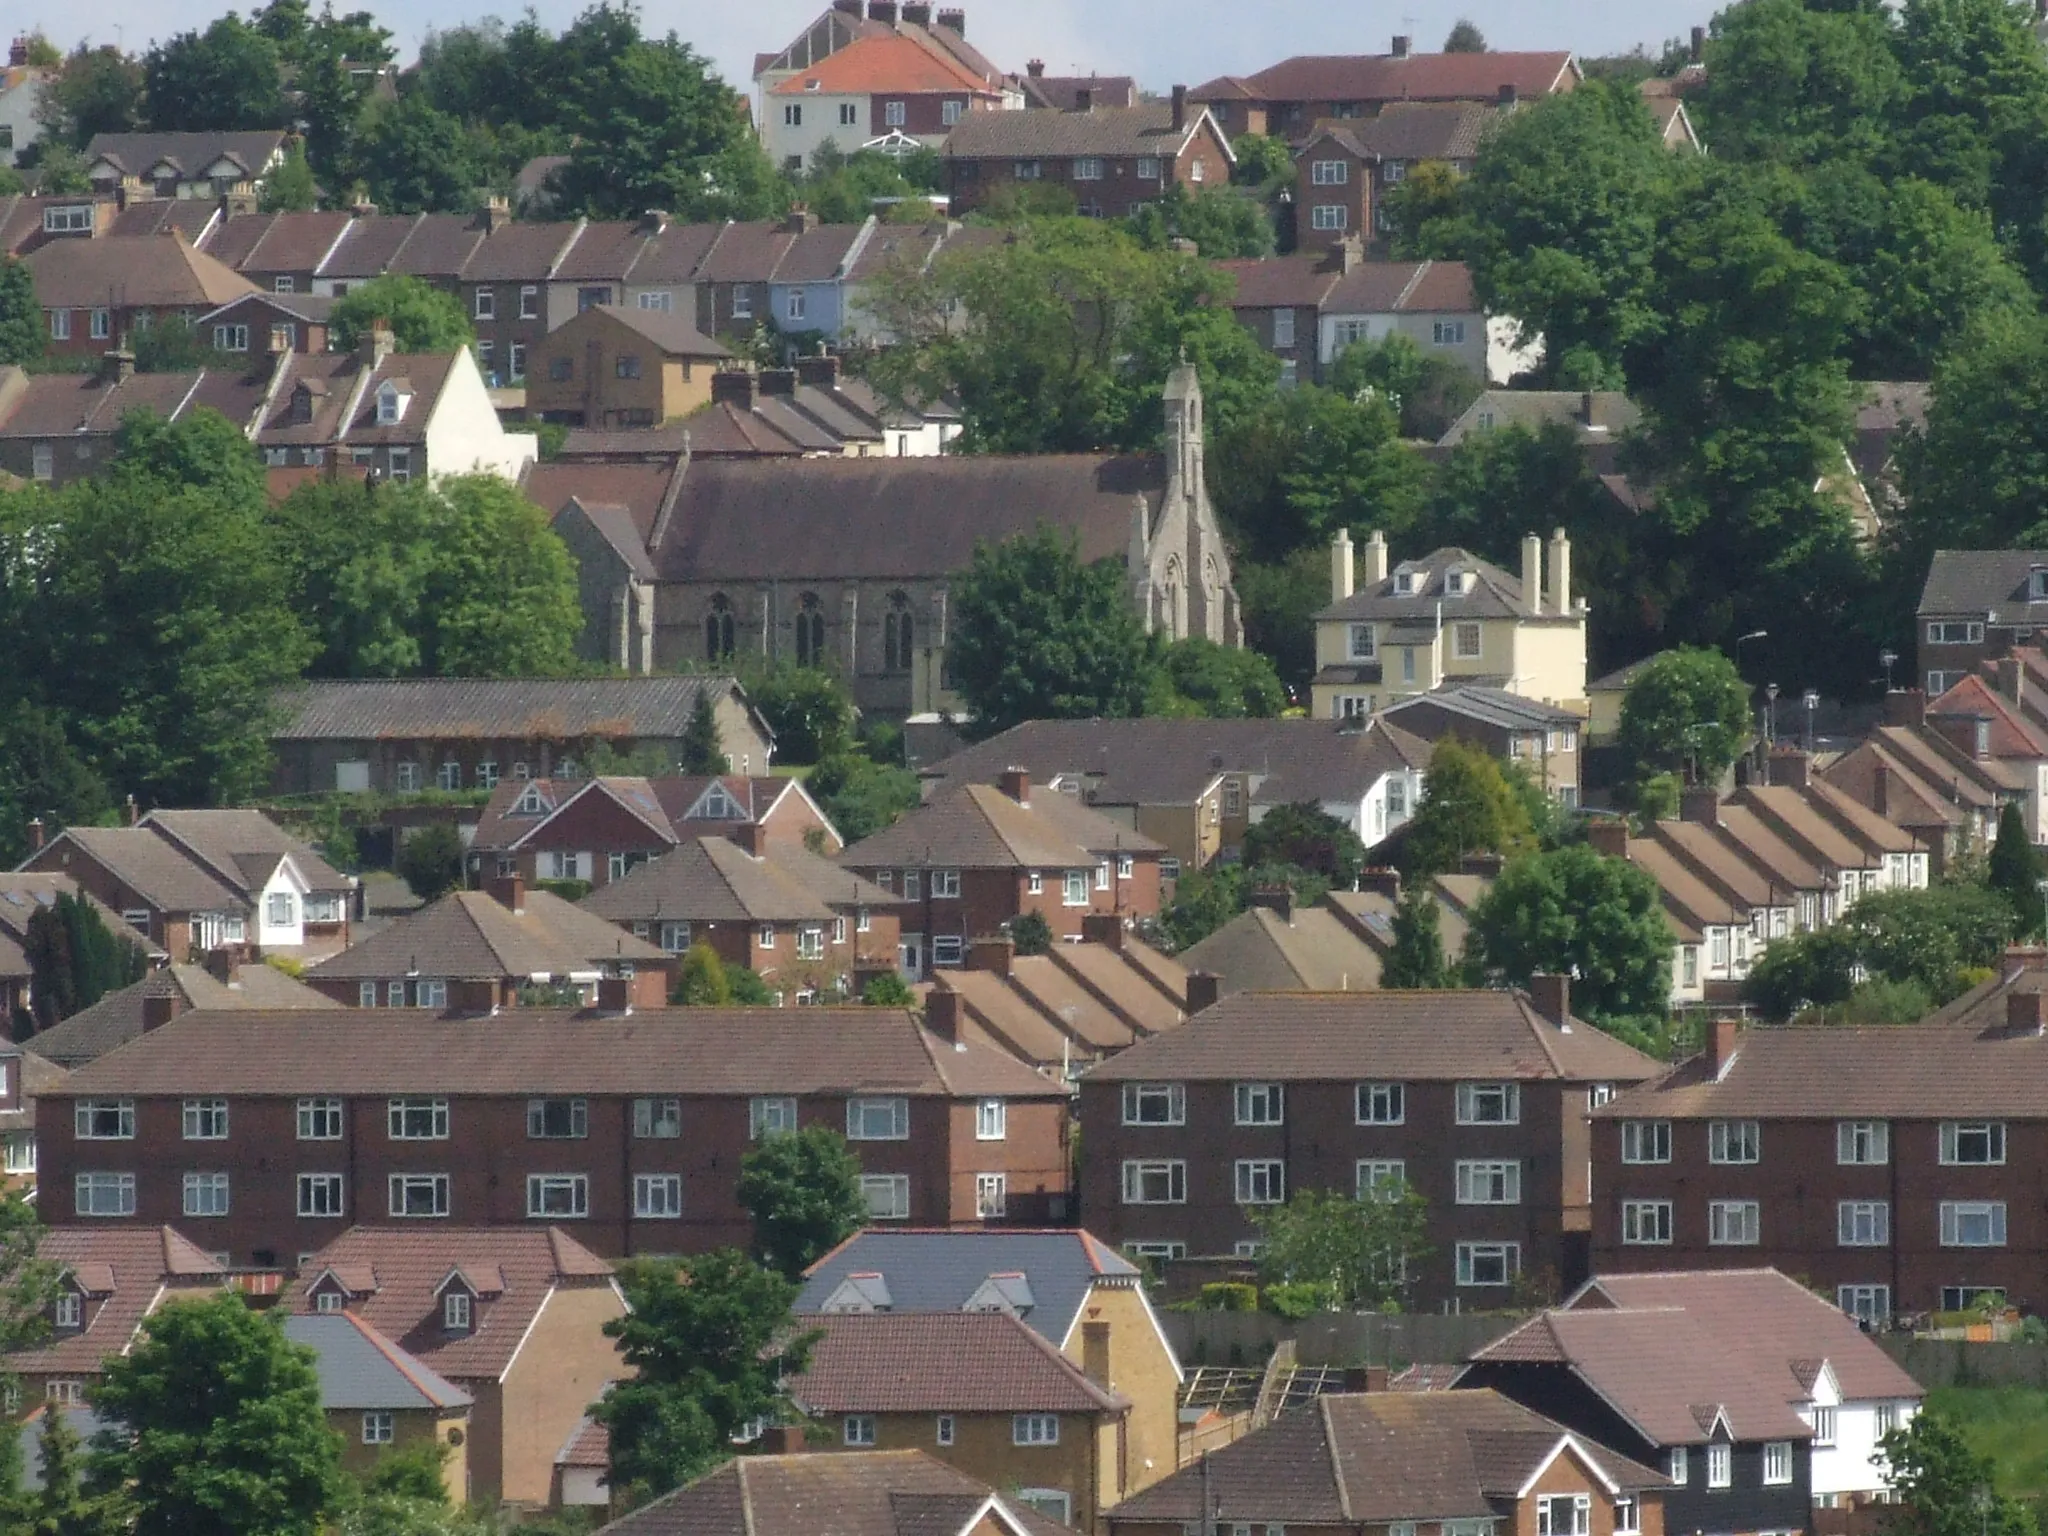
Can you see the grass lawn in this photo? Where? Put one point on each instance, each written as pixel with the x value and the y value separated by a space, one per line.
pixel 2008 1424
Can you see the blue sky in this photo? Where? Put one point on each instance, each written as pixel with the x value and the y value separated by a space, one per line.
pixel 1159 42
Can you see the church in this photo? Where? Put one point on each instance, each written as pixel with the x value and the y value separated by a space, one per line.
pixel 846 563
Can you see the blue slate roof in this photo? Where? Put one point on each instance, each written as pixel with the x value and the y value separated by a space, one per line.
pixel 360 1368
pixel 937 1271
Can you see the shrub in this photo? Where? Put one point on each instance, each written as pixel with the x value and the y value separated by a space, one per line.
pixel 1297 1299
pixel 1229 1296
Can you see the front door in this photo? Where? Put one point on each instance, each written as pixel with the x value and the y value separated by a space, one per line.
pixel 910 956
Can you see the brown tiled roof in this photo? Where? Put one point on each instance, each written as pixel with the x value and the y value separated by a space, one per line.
pixel 671 332
pixel 24 890
pixel 1990 583
pixel 1384 78
pixel 1415 130
pixel 1762 1313
pixel 1402 287
pixel 640 488
pixel 673 809
pixel 407 1266
pixel 723 429
pixel 136 154
pixel 713 879
pixel 438 245
pixel 154 868
pixel 874 1493
pixel 277 242
pixel 130 271
pixel 1312 950
pixel 1078 1001
pixel 545 709
pixel 117 1018
pixel 1146 129
pixel 366 248
pixel 520 252
pixel 79 404
pixel 39 1076
pixel 1370 1458
pixel 603 251
pixel 976 826
pixel 124 1269
pixel 469 936
pixel 589 1445
pixel 1062 92
pixel 224 841
pixel 532 1050
pixel 314 308
pixel 941 1362
pixel 192 217
pixel 911 245
pixel 746 252
pixel 1312 1036
pixel 673 254
pixel 1281 282
pixel 819 254
pixel 2011 734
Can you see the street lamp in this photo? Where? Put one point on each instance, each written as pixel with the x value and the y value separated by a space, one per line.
pixel 1812 702
pixel 1887 659
pixel 1771 693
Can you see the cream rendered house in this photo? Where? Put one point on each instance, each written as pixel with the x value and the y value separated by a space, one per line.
pixel 1448 617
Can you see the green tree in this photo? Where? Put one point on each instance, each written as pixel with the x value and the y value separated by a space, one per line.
pixel 1038 635
pixel 1308 461
pixel 75 959
pixel 99 90
pixel 21 319
pixel 1800 84
pixel 1359 1247
pixel 1468 806
pixel 500 598
pixel 422 318
pixel 888 990
pixel 860 795
pixel 2015 870
pixel 1576 913
pixel 803 1192
pixel 1971 475
pixel 290 188
pixel 1429 392
pixel 806 708
pixel 62 1507
pixel 1305 836
pixel 708 1341
pixel 226 77
pixel 42 775
pixel 1203 901
pixel 1934 942
pixel 702 751
pixel 1224 223
pixel 1687 708
pixel 749 990
pixel 1416 959
pixel 413 159
pixel 1220 682
pixel 1944 1487
pixel 1263 161
pixel 358 557
pixel 1280 599
pixel 1426 213
pixel 1030 933
pixel 224 1423
pixel 701 980
pixel 173 344
pixel 1465 38
pixel 430 861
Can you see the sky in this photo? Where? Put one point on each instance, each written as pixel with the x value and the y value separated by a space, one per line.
pixel 1162 43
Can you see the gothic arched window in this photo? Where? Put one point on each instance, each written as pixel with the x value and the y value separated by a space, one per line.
pixel 718 629
pixel 810 631
pixel 897 634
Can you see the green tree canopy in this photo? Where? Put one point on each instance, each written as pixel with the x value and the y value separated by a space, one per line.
pixel 806 708
pixel 1198 677
pixel 75 959
pixel 98 90
pixel 422 318
pixel 1360 1247
pixel 500 597
pixel 225 1424
pixel 1307 837
pixel 2015 869
pixel 226 77
pixel 430 861
pixel 411 158
pixel 1687 708
pixel 802 1190
pixel 290 188
pixel 1972 475
pixel 1038 635
pixel 42 774
pixel 1031 934
pixel 1465 38
pixel 1576 913
pixel 1417 958
pixel 860 795
pixel 1468 806
pixel 1937 939
pixel 702 751
pixel 1429 392
pixel 1224 223
pixel 1944 1487
pixel 1800 84
pixel 701 980
pixel 21 318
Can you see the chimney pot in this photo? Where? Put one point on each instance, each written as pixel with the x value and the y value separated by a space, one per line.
pixel 1035 69
pixel 1723 1035
pixel 1204 987
pixel 1560 572
pixel 942 1013
pixel 883 11
pixel 1016 783
pixel 1699 43
pixel 954 21
pixel 134 811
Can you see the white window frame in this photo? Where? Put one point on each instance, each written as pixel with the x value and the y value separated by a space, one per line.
pixel 657 1119
pixel 891 1110
pixel 1260 1181
pixel 1777 1463
pixel 945 884
pixel 1734 1142
pixel 1474 1097
pixel 771 1114
pixel 1576 1510
pixel 399 1113
pixel 1381 1104
pixel 1260 1103
pixel 858 1429
pixel 458 1311
pixel 1720 1465
pixel 1954 1213
pixel 557 1196
pixel 657 1196
pixel 321 1119
pixel 887 1196
pixel 1377 1178
pixel 1489 1182
pixel 90 1119
pixel 1646 1223
pixel 1140 1097
pixel 991 1196
pixel 1328 216
pixel 1734 1223
pixel 1863 1223
pixel 1074 889
pixel 943 1429
pixel 1467 641
pixel 1137 1171
pixel 1329 173
pixel 1471 1255
pixel 991 1120
pixel 1954 1131
pixel 401 1187
pixel 1867 1303
pixel 205 1194
pixel 1646 1141
pixel 321 1195
pixel 380 1426
pixel 205 1119
pixel 1863 1143
pixel 1034 1429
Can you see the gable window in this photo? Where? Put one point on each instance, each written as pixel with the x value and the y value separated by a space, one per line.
pixel 103 1119
pixel 1161 1181
pixel 770 1116
pixel 1973 1223
pixel 1489 1104
pixel 557 1195
pixel 1972 1141
pixel 278 909
pixel 1733 1223
pixel 991 1120
pixel 456 1311
pixel 1646 1221
pixel 878 1119
pixel 1734 1141
pixel 1495 1183
pixel 657 1119
pixel 1260 1104
pixel 1564 1514
pixel 1720 1464
pixel 1382 1104
pixel 1329 173
pixel 231 338
pixel 1646 1141
pixel 70 1311
pixel 1328 216
pixel 557 1119
pixel 1155 1104
pixel 206 1119
pixel 1863 1223
pixel 418 1195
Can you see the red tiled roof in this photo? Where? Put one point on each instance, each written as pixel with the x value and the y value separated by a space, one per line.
pixel 1383 77
pixel 941 1362
pixel 887 62
pixel 122 1271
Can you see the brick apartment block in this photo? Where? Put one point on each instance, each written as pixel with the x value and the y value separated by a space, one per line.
pixel 264 1135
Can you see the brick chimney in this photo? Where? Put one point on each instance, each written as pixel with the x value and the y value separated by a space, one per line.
pixel 472 999
pixel 1278 898
pixel 1180 108
pixel 1381 880
pixel 1791 768
pixel 1701 805
pixel 35 834
pixel 801 220
pixel 1698 44
pixel 1035 69
pixel 17 53
pixel 1723 1035
pixel 1608 835
pixel 778 381
pixel 942 1013
pixel 1905 706
pixel 159 1008
pixel 821 371
pixel 1402 45
pixel 953 21
pixel 786 1439
pixel 1365 1378
pixel 508 891
pixel 1084 99
pixel 736 386
pixel 1104 928
pixel 376 343
pixel 495 214
pixel 1880 788
pixel 1095 1353
pixel 2012 680
pixel 1204 987
pixel 1551 996
pixel 614 994
pixel 1016 783
pixel 117 366
pixel 1507 95
pixel 751 836
pixel 883 11
pixel 995 954
pixel 917 13
pixel 2023 1012
pixel 2021 958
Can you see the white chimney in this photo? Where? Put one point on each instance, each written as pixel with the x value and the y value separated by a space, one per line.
pixel 1532 572
pixel 1340 566
pixel 1375 559
pixel 1560 573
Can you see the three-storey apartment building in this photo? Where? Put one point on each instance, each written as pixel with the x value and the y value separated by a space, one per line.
pixel 1895 1169
pixel 1478 1101
pixel 264 1136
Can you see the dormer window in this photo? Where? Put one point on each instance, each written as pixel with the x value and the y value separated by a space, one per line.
pixel 329 1301
pixel 391 403
pixel 717 805
pixel 529 802
pixel 70 1311
pixel 2037 584
pixel 1457 583
pixel 1404 583
pixel 456 1311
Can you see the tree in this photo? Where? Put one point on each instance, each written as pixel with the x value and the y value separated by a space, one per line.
pixel 1944 1487
pixel 701 980
pixel 422 317
pixel 708 1343
pixel 888 990
pixel 1223 223
pixel 1030 933
pixel 1358 1246
pixel 1038 635
pixel 1687 708
pixel 290 188
pixel 430 861
pixel 99 90
pixel 1799 84
pixel 802 1190
pixel 806 709
pixel 1263 161
pixel 1970 475
pixel 42 775
pixel 174 344
pixel 862 796
pixel 414 159
pixel 2015 870
pixel 1426 213
pixel 1465 38
pixel 63 1506
pixel 21 324
pixel 1221 682
pixel 1429 393
pixel 1577 913
pixel 500 597
pixel 1467 806
pixel 1305 836
pixel 702 751
pixel 226 77
pixel 75 959
pixel 1416 959
pixel 224 1423
pixel 1937 942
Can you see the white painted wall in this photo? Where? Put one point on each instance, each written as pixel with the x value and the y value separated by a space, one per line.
pixel 464 435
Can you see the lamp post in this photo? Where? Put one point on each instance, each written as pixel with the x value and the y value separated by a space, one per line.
pixel 1812 701
pixel 1887 659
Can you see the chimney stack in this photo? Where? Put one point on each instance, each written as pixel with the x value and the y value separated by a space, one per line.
pixel 883 11
pixel 778 381
pixel 1375 559
pixel 1035 69
pixel 1016 783
pixel 159 1008
pixel 1365 1378
pixel 17 53
pixel 653 220
pixel 1700 804
pixel 2023 1012
pixel 35 834
pixel 1340 566
pixel 1180 108
pixel 786 1439
pixel 942 1013
pixel 1560 572
pixel 117 366
pixel 1905 706
pixel 1401 45
pixel 995 954
pixel 1278 898
pixel 1608 836
pixel 820 371
pixel 1204 987
pixel 1790 768
pixel 508 891
pixel 1381 880
pixel 1551 995
pixel 1507 94
pixel 2012 680
pixel 1532 572
pixel 1723 1035
pixel 917 13
pixel 1586 409
pixel 614 994
pixel 376 343
pixel 1104 928
pixel 1699 43
pixel 954 21
pixel 801 220
pixel 1084 99
pixel 736 386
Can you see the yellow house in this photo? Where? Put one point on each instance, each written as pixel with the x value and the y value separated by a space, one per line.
pixel 1448 617
pixel 613 367
pixel 379 1399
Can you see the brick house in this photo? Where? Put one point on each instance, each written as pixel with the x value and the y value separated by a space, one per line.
pixel 1341 944
pixel 1346 165
pixel 806 927
pixel 1976 605
pixel 95 294
pixel 1478 1101
pixel 1279 300
pixel 616 367
pixel 23 1076
pixel 23 893
pixel 276 1130
pixel 601 829
pixel 971 859
pixel 504 289
pixel 264 325
pixel 1075 1292
pixel 1023 1417
pixel 887 86
pixel 398 736
pixel 1113 159
pixel 206 166
pixel 1518 731
pixel 161 996
pixel 475 952
pixel 60 427
pixel 1463 1463
pixel 511 1316
pixel 1877 1165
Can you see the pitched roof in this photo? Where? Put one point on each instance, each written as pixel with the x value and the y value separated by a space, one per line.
pixel 1372 1458
pixel 1598 416
pixel 1387 78
pixel 22 891
pixel 276 242
pixel 1414 130
pixel 1764 1313
pixel 544 709
pixel 1403 287
pixel 1073 1003
pixel 671 332
pixel 1488 706
pixel 977 826
pixel 131 271
pixel 1281 282
pixel 117 1018
pixel 1319 1036
pixel 938 1271
pixel 876 1493
pixel 1338 946
pixel 944 1362
pixel 405 1266
pixel 673 808
pixel 361 1369
pixel 1062 93
pixel 80 404
pixel 1992 583
pixel 471 936
pixel 155 868
pixel 125 1268
pixel 1490 593
pixel 713 879
pixel 545 1050
pixel 2011 734
pixel 887 62
pixel 237 844
pixel 137 154
pixel 1146 129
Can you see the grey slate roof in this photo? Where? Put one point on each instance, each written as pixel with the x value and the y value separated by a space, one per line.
pixel 934 1271
pixel 243 847
pixel 468 936
pixel 712 878
pixel 515 708
pixel 1414 130
pixel 361 1369
pixel 137 153
pixel 1493 593
pixel 1490 706
pixel 1985 582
